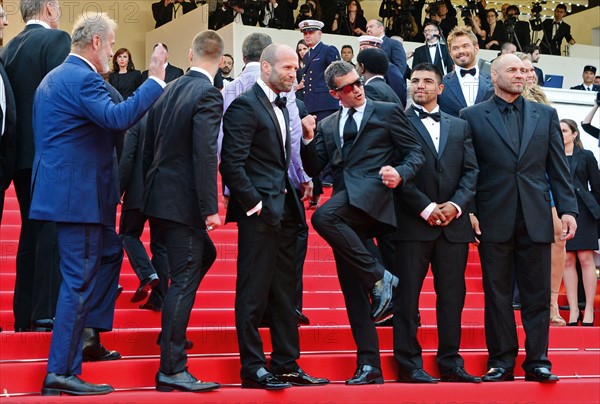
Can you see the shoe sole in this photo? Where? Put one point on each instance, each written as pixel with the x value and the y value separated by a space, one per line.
pixel 247 386
pixel 141 294
pixel 378 380
pixel 377 316
pixel 58 392
pixel 167 389
pixel 108 358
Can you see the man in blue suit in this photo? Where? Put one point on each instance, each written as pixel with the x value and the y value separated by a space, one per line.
pixel 466 85
pixel 73 184
pixel 316 94
pixel 392 48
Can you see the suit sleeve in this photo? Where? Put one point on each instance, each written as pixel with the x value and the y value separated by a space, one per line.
pixel 314 154
pixel 127 161
pixel 239 128
pixel 406 144
pixel 57 49
pixel 465 191
pixel 398 55
pixel 558 169
pixel 332 55
pixel 593 174
pixel 207 117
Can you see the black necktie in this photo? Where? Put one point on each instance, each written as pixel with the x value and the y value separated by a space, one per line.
pixel 350 132
pixel 280 102
pixel 472 71
pixel 512 126
pixel 424 114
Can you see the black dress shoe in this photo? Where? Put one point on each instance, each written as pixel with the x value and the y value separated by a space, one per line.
pixel 458 374
pixel 386 318
pixel 93 350
pixel 119 291
pixel 302 319
pixel 43 325
pixel 416 376
pixel 182 381
pixel 365 374
pixel 498 375
pixel 381 295
pixel 150 306
pixel 187 344
pixel 541 375
pixel 142 291
pixel 55 385
pixel 268 382
pixel 300 378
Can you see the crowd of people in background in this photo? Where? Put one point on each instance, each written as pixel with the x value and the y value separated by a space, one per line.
pixel 479 156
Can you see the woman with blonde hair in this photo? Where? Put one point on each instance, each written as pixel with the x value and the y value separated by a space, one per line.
pixel 533 92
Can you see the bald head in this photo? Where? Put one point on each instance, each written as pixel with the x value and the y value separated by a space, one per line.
pixel 508 76
pixel 278 65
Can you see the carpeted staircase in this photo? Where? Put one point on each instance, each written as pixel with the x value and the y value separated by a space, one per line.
pixel 327 345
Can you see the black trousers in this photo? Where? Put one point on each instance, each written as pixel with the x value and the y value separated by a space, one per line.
pixel 191 253
pixel 130 230
pixel 300 257
pixel 266 275
pixel 531 264
pixel 346 229
pixel 38 277
pixel 448 262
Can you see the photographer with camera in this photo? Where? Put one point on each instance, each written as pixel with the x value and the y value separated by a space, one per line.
pixel 433 51
pixel 517 31
pixel 403 19
pixel 444 14
pixel 350 19
pixel 164 11
pixel 245 12
pixel 554 30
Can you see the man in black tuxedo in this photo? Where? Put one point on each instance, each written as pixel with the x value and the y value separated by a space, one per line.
pixel 554 32
pixel 433 51
pixel 255 156
pixel 520 152
pixel 372 64
pixel 164 11
pixel 589 73
pixel 371 150
pixel 38 276
pixel 8 115
pixel 517 30
pixel 171 72
pixel 467 84
pixel 181 197
pixel 435 228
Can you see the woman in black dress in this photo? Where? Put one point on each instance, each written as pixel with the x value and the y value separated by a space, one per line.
pixel 301 50
pixel 353 23
pixel 124 77
pixel 586 181
pixel 496 34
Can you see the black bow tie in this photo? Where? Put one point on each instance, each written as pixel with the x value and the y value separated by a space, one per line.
pixel 424 114
pixel 472 71
pixel 432 46
pixel 280 102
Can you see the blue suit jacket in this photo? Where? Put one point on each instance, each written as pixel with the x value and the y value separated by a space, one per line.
pixel 316 92
pixel 395 53
pixel 74 125
pixel 452 100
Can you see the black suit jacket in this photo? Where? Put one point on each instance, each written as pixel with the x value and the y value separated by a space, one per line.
pixel 163 15
pixel 378 90
pixel 254 161
pixel 27 59
pixel 586 180
pixel 422 55
pixel 131 178
pixel 551 44
pixel 595 87
pixel 384 138
pixel 180 151
pixel 8 141
pixel 171 73
pixel 507 175
pixel 447 175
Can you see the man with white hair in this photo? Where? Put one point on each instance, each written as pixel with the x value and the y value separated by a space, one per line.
pixel 75 122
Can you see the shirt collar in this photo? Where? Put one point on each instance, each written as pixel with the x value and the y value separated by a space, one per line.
pixel 267 90
pixel 39 22
pixel 201 70
pixel 360 109
pixel 85 60
pixel 374 77
pixel 502 104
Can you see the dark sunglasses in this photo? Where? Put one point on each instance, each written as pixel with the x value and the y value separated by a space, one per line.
pixel 349 87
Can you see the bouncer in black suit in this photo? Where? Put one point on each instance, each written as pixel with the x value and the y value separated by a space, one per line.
pixel 434 228
pixel 520 152
pixel 254 161
pixel 181 197
pixel 372 151
pixel 171 72
pixel 27 58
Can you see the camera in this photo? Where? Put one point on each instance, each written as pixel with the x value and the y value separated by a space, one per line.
pixel 467 11
pixel 536 7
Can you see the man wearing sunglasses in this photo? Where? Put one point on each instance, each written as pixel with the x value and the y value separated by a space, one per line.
pixel 371 150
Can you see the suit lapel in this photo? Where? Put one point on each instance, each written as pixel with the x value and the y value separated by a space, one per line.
pixel 530 118
pixel 366 116
pixel 423 132
pixel 497 123
pixel 454 86
pixel 262 97
pixel 574 162
pixel 444 133
pixel 484 85
pixel 336 129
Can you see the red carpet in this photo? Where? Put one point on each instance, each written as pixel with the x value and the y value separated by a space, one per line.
pixel 327 345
